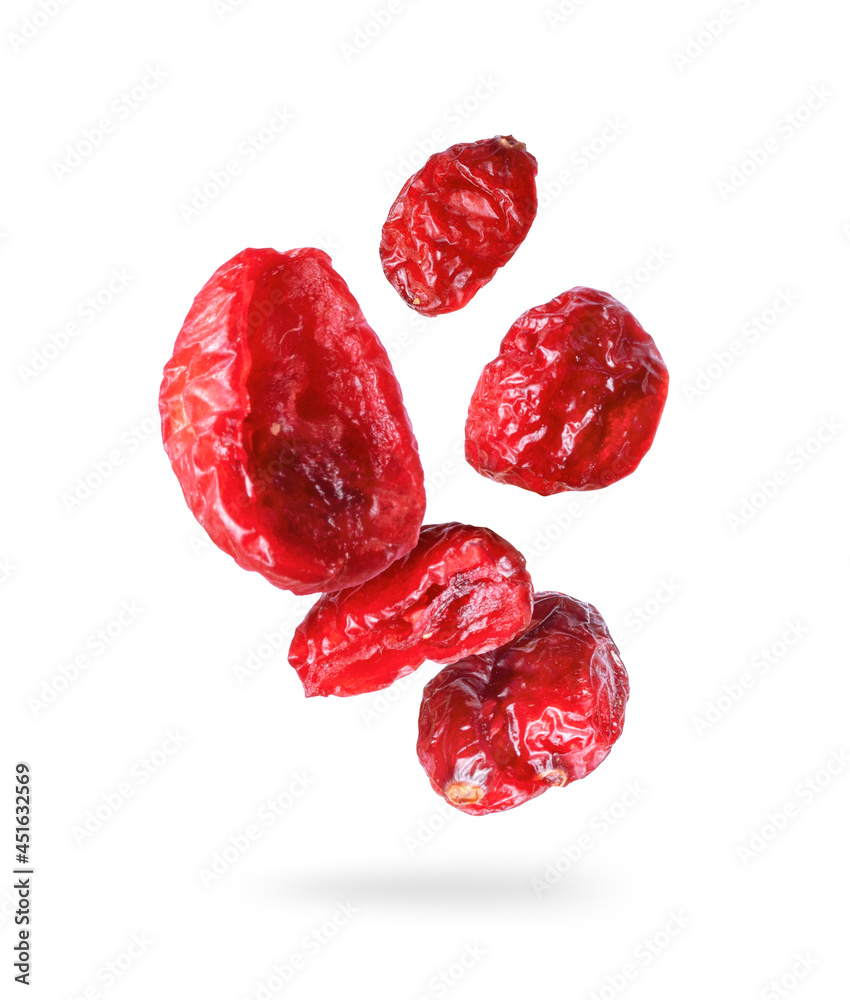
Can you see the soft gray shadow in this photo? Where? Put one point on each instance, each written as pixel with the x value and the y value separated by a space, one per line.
pixel 510 887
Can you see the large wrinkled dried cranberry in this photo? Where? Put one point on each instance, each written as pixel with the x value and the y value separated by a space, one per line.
pixel 457 221
pixel 462 590
pixel 573 399
pixel 541 711
pixel 285 425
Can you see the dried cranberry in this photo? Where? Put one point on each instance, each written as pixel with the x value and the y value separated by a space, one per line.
pixel 457 221
pixel 543 710
pixel 557 695
pixel 453 746
pixel 462 590
pixel 573 399
pixel 285 425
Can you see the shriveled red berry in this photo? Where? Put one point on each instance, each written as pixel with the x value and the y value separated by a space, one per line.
pixel 285 425
pixel 556 697
pixel 453 744
pixel 457 221
pixel 573 399
pixel 543 710
pixel 462 590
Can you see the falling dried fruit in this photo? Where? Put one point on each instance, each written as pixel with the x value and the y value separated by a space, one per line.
pixel 462 590
pixel 453 746
pixel 573 399
pixel 457 221
pixel 541 711
pixel 285 425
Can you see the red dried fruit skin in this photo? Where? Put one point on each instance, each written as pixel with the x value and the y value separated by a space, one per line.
pixel 573 399
pixel 457 221
pixel 541 711
pixel 453 746
pixel 462 590
pixel 557 695
pixel 285 425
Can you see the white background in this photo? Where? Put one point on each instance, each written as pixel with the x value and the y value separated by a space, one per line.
pixel 664 826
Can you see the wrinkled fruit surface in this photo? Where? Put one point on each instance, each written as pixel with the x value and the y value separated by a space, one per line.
pixel 453 746
pixel 462 590
pixel 557 695
pixel 541 711
pixel 457 221
pixel 285 425
pixel 573 399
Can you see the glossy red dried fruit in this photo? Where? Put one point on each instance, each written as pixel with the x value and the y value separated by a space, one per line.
pixel 453 746
pixel 457 221
pixel 573 399
pixel 285 425
pixel 462 590
pixel 557 695
pixel 543 710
